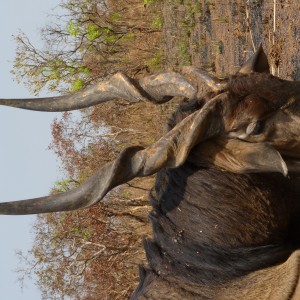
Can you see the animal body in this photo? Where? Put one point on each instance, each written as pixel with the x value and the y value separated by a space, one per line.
pixel 226 203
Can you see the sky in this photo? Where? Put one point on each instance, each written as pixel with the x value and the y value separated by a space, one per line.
pixel 27 168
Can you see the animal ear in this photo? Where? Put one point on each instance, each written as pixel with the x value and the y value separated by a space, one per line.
pixel 258 62
pixel 237 156
pixel 170 151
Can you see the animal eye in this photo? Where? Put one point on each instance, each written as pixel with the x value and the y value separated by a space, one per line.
pixel 255 128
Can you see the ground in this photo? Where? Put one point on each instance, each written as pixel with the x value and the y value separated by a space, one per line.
pixel 220 35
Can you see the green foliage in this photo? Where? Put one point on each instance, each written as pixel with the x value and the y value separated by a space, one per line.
pixel 157 22
pixel 184 52
pixel 111 38
pixel 197 8
pixel 73 29
pixel 128 36
pixel 62 66
pixel 92 31
pixel 156 61
pixel 115 17
pixel 218 47
pixel 53 70
pixel 78 85
pixel 63 185
pixel 223 19
pixel 150 140
pixel 91 39
pixel 81 231
pixel 147 2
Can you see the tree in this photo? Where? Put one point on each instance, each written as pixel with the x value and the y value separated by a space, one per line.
pixel 89 253
pixel 92 39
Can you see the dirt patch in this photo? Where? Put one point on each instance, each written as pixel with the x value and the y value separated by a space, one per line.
pixel 220 35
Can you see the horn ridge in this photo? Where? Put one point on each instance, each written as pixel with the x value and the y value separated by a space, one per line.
pixel 170 151
pixel 158 88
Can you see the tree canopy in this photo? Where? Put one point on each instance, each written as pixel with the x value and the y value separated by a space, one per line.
pixel 91 39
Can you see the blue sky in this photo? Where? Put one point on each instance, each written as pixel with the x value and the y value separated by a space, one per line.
pixel 27 168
